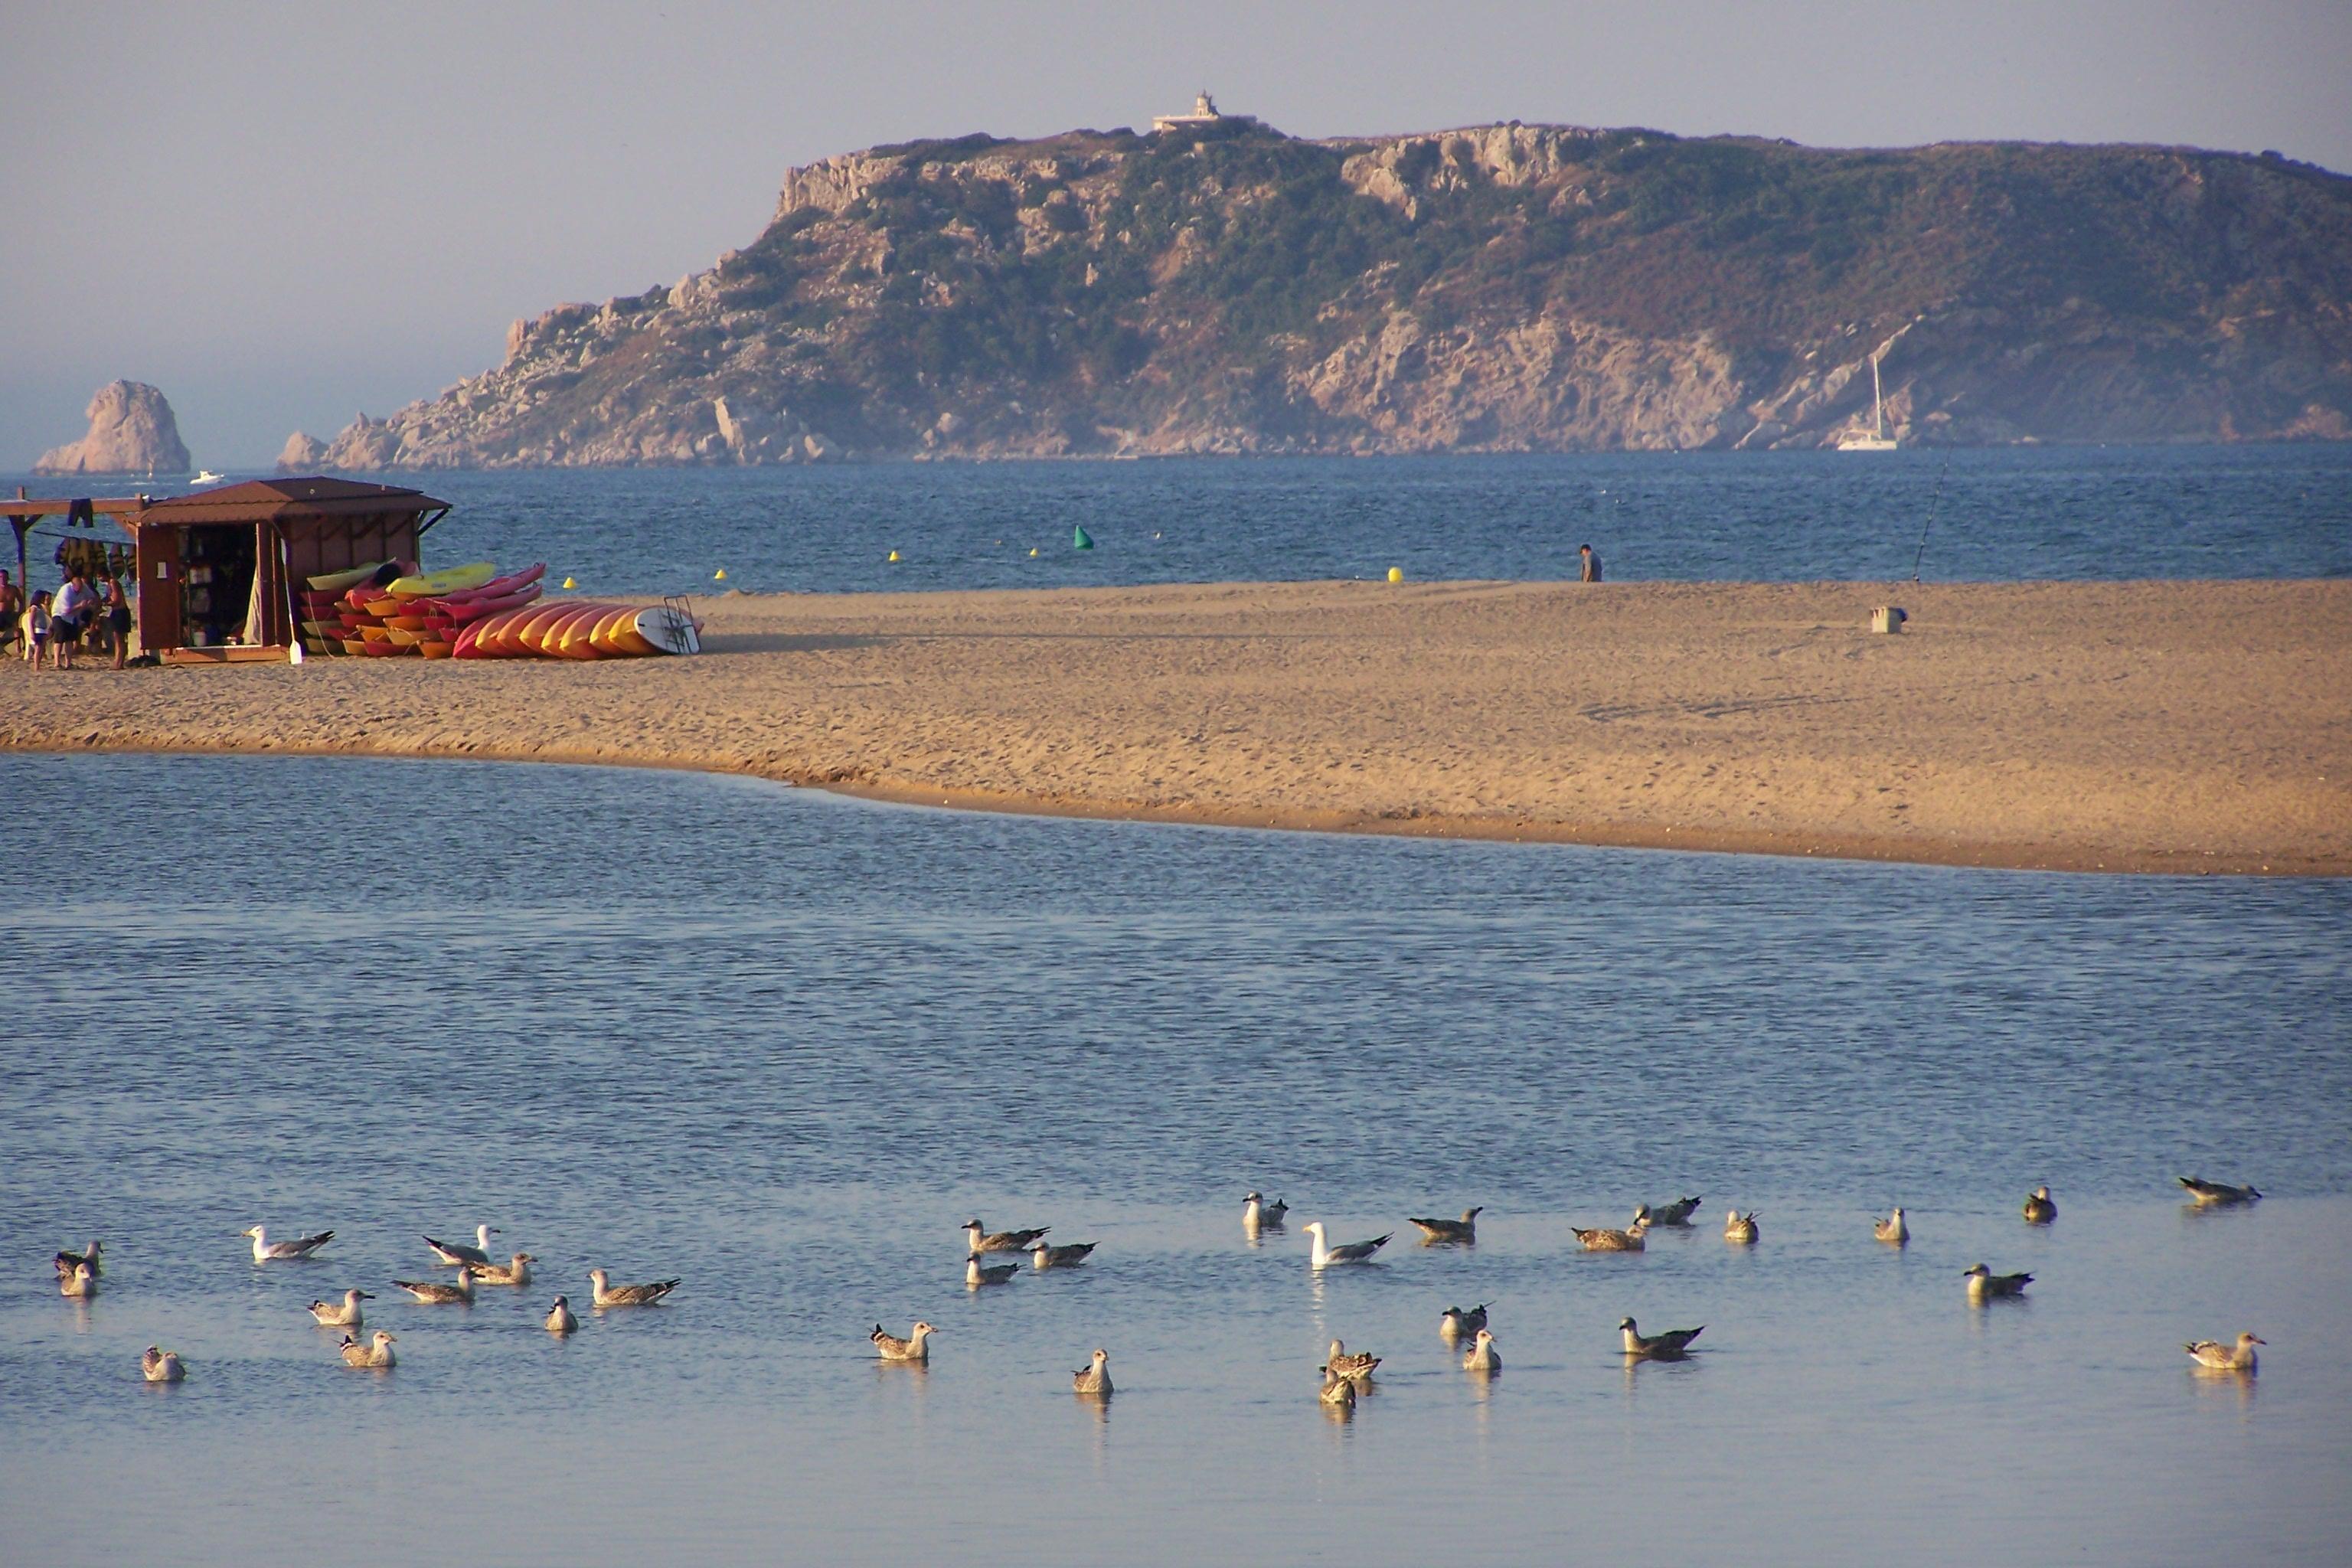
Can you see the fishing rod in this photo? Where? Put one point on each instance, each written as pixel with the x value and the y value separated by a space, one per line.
pixel 1935 501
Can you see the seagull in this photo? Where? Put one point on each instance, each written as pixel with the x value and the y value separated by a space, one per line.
pixel 1339 1393
pixel 514 1273
pixel 1891 1230
pixel 2040 1209
pixel 434 1294
pixel 81 1285
pixel 1258 1213
pixel 1354 1252
pixel 1454 1322
pixel 1435 1231
pixel 459 1252
pixel 1630 1239
pixel 66 1262
pixel 161 1366
pixel 1358 1367
pixel 378 1354
pixel 609 1295
pixel 2215 1194
pixel 1094 1378
pixel 1983 1283
pixel 1483 1356
pixel 915 1346
pixel 976 1276
pixel 1673 1342
pixel 347 1316
pixel 266 1250
pixel 1070 1256
pixel 560 1320
pixel 1740 1227
pixel 1678 1212
pixel 984 1240
pixel 2212 1355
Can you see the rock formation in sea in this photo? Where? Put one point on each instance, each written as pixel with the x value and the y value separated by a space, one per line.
pixel 302 453
pixel 1505 288
pixel 131 431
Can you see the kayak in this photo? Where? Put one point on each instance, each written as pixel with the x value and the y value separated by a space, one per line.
pixel 495 587
pixel 335 582
pixel 434 649
pixel 547 637
pixel 448 581
pixel 601 639
pixel 578 639
pixel 464 610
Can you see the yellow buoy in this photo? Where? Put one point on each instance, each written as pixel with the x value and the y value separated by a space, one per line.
pixel 569 583
pixel 1033 552
pixel 893 557
pixel 719 575
pixel 1396 574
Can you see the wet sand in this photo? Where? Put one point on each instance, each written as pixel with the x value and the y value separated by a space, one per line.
pixel 2168 726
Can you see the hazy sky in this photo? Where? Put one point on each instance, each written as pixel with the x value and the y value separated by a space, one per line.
pixel 285 212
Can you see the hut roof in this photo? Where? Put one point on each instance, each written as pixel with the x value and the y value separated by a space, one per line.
pixel 287 501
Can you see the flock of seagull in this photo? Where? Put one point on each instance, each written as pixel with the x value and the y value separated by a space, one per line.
pixel 1344 1373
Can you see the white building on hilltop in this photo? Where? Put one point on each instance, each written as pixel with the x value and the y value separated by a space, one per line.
pixel 1204 112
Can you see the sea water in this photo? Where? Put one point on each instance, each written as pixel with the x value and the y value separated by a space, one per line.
pixel 1964 514
pixel 782 1045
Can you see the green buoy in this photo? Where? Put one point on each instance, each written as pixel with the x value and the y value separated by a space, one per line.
pixel 1081 540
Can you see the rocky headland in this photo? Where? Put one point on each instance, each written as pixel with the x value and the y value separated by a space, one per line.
pixel 1224 289
pixel 131 431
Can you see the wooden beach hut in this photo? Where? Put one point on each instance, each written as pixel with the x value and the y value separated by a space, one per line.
pixel 217 570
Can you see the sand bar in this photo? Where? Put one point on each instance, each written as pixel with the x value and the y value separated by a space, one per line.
pixel 2200 727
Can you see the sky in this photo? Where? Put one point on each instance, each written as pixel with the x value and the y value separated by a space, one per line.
pixel 285 213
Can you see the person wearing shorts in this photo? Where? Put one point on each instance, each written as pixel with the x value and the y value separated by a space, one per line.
pixel 36 627
pixel 117 620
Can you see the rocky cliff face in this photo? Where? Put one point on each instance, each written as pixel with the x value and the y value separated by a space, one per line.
pixel 131 431
pixel 1506 288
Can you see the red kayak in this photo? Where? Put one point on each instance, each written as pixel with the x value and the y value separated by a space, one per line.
pixel 496 588
pixel 475 609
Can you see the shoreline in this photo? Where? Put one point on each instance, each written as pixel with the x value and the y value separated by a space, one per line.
pixel 2192 729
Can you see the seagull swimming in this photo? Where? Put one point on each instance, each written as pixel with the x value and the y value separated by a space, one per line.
pixel 1094 1378
pixel 1454 1322
pixel 434 1294
pixel 514 1273
pixel 1324 1256
pixel 1339 1393
pixel 1352 1366
pixel 266 1250
pixel 1436 1231
pixel 609 1295
pixel 560 1320
pixel 1673 1342
pixel 975 1275
pixel 1677 1213
pixel 1983 1283
pixel 1892 1229
pixel 915 1346
pixel 378 1355
pixel 1259 1214
pixel 81 1285
pixel 1630 1239
pixel 67 1261
pixel 161 1366
pixel 2040 1209
pixel 347 1316
pixel 459 1252
pixel 2214 1356
pixel 1740 1227
pixel 1483 1356
pixel 2218 1195
pixel 1069 1257
pixel 984 1241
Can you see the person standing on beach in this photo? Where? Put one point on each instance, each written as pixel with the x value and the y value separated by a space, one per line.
pixel 70 616
pixel 1591 564
pixel 12 610
pixel 117 620
pixel 36 627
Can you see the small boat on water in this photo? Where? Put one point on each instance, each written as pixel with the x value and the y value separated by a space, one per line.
pixel 1875 439
pixel 206 477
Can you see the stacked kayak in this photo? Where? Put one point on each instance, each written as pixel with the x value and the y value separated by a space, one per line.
pixel 581 630
pixel 390 610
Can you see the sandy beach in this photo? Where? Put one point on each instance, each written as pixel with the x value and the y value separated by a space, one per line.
pixel 2171 727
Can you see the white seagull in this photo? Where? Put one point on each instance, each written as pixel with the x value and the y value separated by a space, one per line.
pixel 348 1315
pixel 1324 1256
pixel 266 1250
pixel 560 1320
pixel 1740 1227
pixel 2214 1356
pixel 1483 1356
pixel 1983 1283
pixel 1258 1213
pixel 459 1252
pixel 1095 1377
pixel 1891 1231
pixel 162 1365
pixel 977 1275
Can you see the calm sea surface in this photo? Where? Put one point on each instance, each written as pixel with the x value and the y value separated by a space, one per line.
pixel 781 1045
pixel 1990 514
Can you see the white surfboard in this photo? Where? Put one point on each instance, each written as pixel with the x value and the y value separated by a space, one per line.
pixel 670 631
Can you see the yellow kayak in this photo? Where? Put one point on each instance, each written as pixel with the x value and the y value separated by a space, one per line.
pixel 455 580
pixel 336 582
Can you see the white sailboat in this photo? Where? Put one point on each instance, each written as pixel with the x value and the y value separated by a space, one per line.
pixel 1878 439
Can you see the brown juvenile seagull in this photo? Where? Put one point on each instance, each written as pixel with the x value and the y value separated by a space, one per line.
pixel 609 1295
pixel 915 1346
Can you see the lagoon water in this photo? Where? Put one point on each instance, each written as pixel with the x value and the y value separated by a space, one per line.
pixel 1965 514
pixel 781 1045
